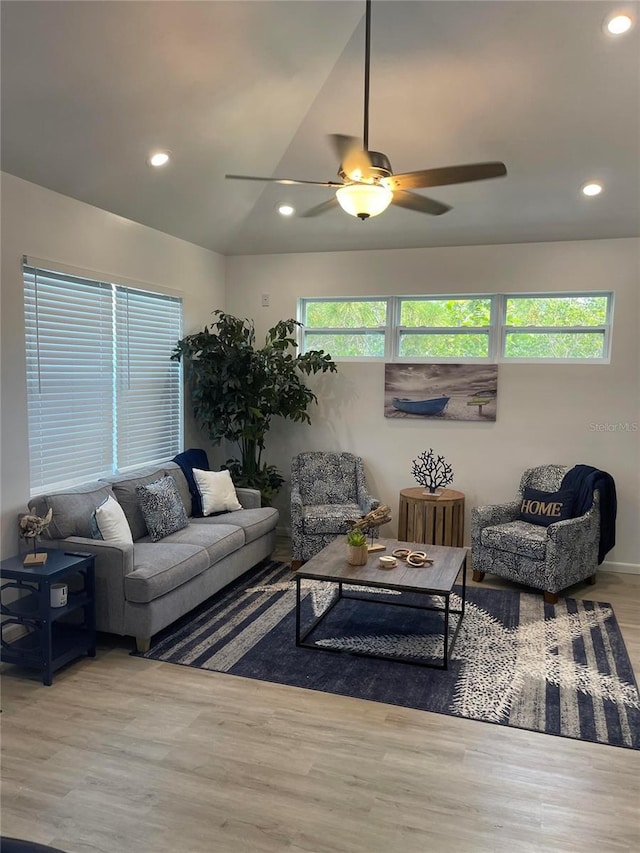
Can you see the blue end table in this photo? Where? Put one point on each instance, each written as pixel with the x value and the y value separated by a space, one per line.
pixel 49 640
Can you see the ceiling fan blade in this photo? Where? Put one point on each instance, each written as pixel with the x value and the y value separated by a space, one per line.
pixel 354 160
pixel 445 176
pixel 329 204
pixel 288 181
pixel 420 203
pixel 342 144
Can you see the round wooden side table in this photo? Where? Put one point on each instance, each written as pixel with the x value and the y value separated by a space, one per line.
pixel 432 519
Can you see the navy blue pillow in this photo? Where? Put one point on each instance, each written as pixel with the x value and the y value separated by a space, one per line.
pixel 188 460
pixel 545 508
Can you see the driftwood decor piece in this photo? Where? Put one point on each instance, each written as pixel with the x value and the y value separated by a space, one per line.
pixel 376 518
pixel 371 522
pixel 32 527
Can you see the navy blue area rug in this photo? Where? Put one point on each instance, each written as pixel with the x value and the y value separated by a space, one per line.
pixel 562 669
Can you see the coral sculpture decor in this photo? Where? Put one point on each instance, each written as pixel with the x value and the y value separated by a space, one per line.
pixel 431 471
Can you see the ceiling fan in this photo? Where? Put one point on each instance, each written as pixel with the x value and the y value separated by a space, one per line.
pixel 368 185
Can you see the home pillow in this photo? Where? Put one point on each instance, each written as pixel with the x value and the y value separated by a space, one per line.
pixel 545 508
pixel 162 508
pixel 217 491
pixel 109 522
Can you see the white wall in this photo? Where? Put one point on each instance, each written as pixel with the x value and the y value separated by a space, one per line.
pixel 545 411
pixel 46 225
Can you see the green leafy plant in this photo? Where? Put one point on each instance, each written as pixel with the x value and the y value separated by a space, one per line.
pixel 356 538
pixel 236 389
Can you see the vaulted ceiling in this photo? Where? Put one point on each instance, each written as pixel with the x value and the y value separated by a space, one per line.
pixel 89 89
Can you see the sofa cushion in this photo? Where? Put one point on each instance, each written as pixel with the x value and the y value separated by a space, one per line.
pixel 217 541
pixel 162 508
pixel 329 518
pixel 72 508
pixel 158 569
pixel 254 522
pixel 517 537
pixel 181 484
pixel 124 488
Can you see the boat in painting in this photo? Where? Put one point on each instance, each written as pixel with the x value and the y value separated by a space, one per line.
pixel 434 406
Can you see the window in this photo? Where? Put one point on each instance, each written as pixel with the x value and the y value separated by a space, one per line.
pixel 485 327
pixel 346 328
pixel 556 327
pixel 103 394
pixel 444 328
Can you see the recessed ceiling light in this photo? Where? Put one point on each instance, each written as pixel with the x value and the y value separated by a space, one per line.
pixel 159 158
pixel 592 188
pixel 617 24
pixel 286 210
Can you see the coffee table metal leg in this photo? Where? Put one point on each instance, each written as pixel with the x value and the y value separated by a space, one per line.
pixel 297 610
pixel 464 588
pixel 445 656
pixel 302 636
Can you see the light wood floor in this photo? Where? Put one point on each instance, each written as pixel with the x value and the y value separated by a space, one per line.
pixel 124 755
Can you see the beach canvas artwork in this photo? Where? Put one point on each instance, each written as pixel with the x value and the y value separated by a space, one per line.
pixel 450 392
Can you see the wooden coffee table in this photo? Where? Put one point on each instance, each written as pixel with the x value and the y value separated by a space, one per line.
pixel 331 565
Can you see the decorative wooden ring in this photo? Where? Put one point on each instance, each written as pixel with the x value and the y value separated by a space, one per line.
pixel 401 553
pixel 417 559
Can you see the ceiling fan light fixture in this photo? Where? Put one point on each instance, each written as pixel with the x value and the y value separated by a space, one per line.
pixel 364 200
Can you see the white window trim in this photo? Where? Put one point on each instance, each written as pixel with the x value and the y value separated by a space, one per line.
pixel 605 329
pixel 383 329
pixel 496 330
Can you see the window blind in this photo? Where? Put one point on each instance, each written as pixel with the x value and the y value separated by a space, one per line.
pixel 148 386
pixel 102 392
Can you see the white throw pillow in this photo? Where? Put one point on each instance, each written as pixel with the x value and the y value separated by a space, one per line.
pixel 217 491
pixel 112 522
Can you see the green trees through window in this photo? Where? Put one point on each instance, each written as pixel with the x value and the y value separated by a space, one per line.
pixel 445 312
pixel 346 314
pixel 557 311
pixel 491 327
pixel 586 316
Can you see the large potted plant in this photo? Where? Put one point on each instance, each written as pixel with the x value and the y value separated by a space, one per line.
pixel 236 389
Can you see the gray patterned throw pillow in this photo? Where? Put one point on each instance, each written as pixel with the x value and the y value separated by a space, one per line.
pixel 162 508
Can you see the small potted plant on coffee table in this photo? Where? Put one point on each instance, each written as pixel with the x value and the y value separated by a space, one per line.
pixel 357 551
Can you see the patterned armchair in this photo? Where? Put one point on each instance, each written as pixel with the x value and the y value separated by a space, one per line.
pixel 327 490
pixel 547 558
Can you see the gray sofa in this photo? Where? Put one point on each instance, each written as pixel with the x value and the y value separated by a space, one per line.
pixel 142 588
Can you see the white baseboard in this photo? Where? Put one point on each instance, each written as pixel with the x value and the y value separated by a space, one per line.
pixel 621 568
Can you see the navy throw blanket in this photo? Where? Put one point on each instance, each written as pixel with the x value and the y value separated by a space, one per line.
pixel 584 480
pixel 188 460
